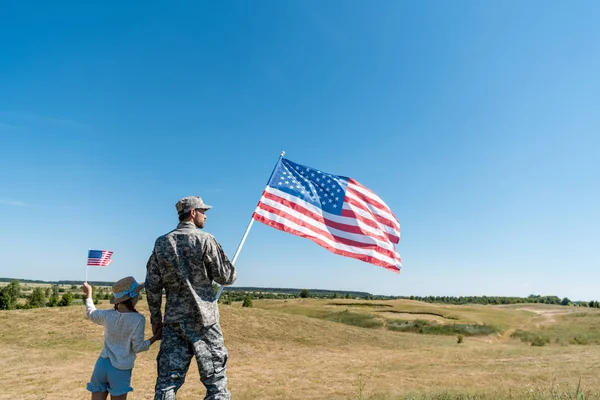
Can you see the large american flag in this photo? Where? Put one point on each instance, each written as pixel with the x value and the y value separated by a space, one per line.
pixel 333 211
pixel 99 258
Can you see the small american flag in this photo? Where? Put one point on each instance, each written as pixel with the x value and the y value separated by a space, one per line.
pixel 335 212
pixel 99 258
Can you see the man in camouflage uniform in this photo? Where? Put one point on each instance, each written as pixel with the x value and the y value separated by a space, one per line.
pixel 185 262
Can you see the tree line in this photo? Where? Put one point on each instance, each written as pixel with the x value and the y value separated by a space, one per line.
pixel 51 296
pixel 56 296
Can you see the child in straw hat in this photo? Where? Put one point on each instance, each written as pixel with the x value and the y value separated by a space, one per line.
pixel 123 338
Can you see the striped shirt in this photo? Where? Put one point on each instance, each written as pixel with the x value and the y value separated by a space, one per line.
pixel 123 334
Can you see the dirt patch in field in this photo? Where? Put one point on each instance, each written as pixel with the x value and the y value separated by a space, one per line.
pixel 548 314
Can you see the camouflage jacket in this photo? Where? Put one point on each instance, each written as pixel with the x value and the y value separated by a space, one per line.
pixel 185 262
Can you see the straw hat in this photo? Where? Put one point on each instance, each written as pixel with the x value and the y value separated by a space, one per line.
pixel 126 288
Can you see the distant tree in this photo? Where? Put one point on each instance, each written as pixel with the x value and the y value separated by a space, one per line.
pixel 9 295
pixel 347 296
pixel 73 287
pixel 304 293
pixel 4 301
pixel 247 301
pixel 66 300
pixel 226 299
pixel 565 302
pixel 97 294
pixel 335 295
pixel 37 298
pixel 53 301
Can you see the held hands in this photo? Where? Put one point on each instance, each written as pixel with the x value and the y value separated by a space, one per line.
pixel 157 327
pixel 157 330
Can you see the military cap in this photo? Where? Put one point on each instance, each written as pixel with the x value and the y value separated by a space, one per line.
pixel 190 203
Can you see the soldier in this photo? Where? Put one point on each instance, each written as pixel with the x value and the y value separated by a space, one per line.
pixel 185 262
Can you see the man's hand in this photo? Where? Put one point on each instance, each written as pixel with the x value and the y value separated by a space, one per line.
pixel 156 336
pixel 87 289
pixel 156 328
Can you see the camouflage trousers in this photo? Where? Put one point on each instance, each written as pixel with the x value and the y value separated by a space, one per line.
pixel 179 343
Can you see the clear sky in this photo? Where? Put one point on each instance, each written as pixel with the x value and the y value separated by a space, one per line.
pixel 477 122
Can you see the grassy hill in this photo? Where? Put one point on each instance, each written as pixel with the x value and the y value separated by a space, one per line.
pixel 297 349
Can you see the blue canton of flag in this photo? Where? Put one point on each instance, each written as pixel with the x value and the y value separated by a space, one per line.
pixel 318 188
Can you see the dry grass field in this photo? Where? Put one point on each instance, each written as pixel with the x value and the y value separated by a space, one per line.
pixel 295 349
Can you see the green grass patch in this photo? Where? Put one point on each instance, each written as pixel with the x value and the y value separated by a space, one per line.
pixel 433 328
pixel 435 314
pixel 354 319
pixel 575 329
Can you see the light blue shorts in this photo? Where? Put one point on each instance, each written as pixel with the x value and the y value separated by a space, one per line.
pixel 107 378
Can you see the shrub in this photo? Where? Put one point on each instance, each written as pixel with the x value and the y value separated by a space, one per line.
pixel 9 295
pixel 247 301
pixel 53 302
pixel 227 300
pixel 540 341
pixel 37 298
pixel 459 338
pixel 580 340
pixel 66 300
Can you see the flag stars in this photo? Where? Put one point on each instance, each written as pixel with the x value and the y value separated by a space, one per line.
pixel 316 187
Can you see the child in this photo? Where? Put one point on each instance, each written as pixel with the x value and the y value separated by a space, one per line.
pixel 123 337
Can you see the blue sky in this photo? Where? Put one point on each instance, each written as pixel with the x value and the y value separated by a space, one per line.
pixel 477 123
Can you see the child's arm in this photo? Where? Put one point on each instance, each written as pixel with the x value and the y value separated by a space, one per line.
pixel 137 340
pixel 90 309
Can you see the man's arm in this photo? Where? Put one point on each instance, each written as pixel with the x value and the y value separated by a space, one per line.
pixel 220 269
pixel 154 287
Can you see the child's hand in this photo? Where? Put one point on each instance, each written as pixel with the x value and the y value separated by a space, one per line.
pixel 87 289
pixel 157 336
